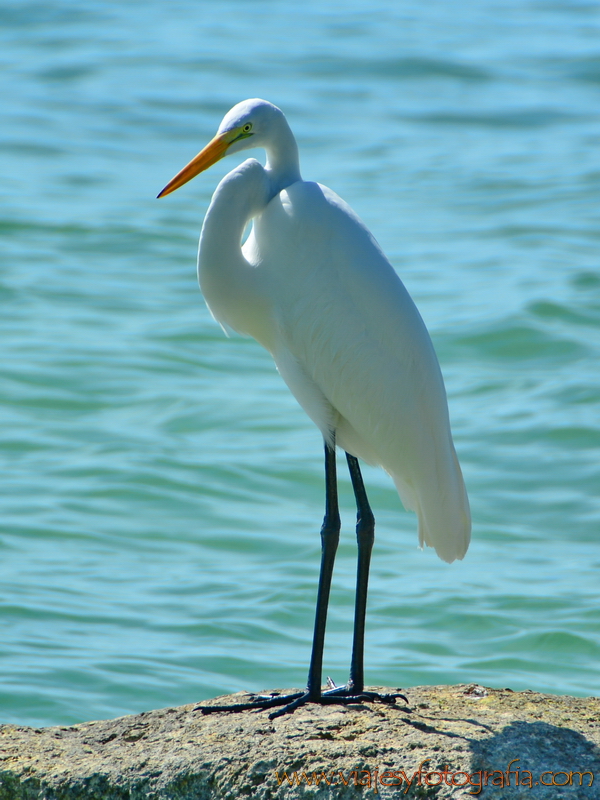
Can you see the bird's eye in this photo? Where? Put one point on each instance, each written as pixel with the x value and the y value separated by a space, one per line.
pixel 247 127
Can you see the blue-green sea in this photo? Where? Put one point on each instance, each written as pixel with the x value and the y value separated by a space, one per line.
pixel 161 491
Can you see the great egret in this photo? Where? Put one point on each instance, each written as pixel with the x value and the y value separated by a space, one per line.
pixel 313 287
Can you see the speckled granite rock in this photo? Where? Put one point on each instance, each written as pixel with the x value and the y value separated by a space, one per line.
pixel 460 737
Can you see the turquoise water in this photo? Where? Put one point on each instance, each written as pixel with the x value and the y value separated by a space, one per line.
pixel 161 491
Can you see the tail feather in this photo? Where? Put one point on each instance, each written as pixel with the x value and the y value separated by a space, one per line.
pixel 443 512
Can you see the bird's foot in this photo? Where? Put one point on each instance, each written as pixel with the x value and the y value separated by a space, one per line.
pixel 349 693
pixel 260 702
pixel 288 703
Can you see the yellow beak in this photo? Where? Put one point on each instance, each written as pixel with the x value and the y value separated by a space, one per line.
pixel 213 151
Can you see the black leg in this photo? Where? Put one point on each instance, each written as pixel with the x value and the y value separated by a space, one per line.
pixel 330 534
pixel 365 535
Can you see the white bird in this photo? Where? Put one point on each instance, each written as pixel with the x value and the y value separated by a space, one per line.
pixel 314 288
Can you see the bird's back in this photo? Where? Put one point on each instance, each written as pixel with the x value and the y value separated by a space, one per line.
pixel 355 352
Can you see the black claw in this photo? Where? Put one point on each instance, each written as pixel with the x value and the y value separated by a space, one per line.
pixel 341 695
pixel 261 703
pixel 291 707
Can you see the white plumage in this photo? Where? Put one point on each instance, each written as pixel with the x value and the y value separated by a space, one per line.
pixel 312 285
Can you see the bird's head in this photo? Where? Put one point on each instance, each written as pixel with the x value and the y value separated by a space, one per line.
pixel 248 124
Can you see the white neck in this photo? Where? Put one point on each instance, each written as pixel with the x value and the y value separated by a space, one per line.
pixel 228 281
pixel 283 164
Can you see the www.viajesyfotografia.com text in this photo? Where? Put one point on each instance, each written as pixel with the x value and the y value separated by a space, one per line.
pixel 474 782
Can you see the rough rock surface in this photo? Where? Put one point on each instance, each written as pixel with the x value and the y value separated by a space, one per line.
pixel 460 737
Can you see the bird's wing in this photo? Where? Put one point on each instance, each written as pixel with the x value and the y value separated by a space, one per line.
pixel 350 333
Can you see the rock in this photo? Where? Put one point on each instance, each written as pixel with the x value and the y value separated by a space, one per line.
pixel 472 741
